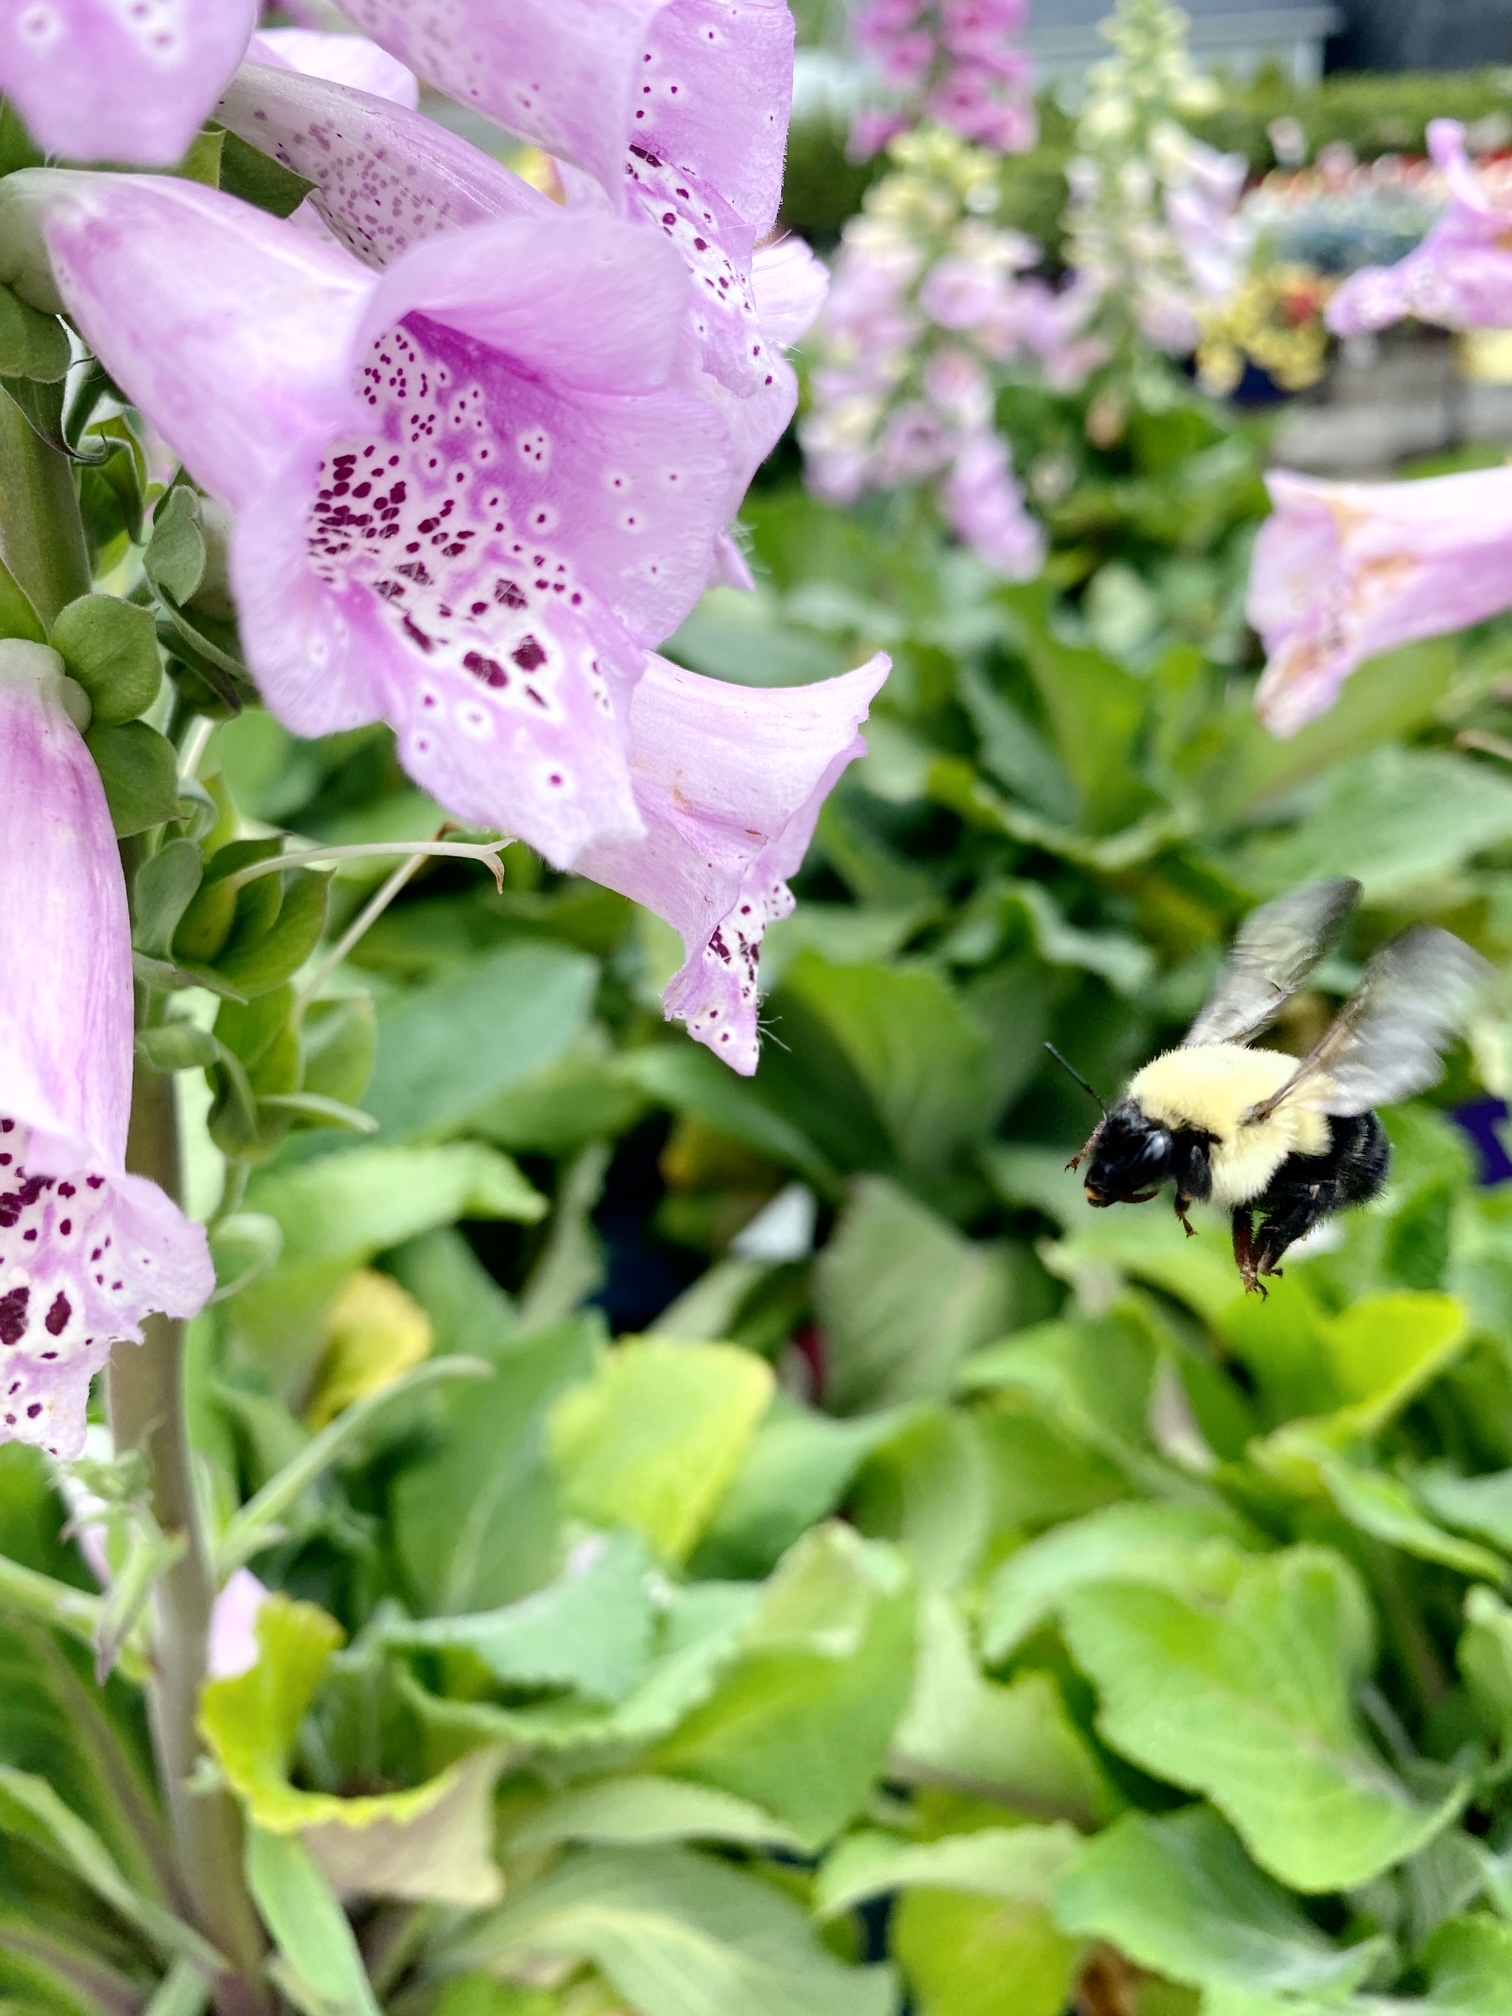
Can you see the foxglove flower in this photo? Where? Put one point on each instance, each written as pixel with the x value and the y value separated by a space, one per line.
pixel 466 492
pixel 955 63
pixel 349 60
pixel 1460 277
pixel 86 1251
pixel 676 111
pixel 729 781
pixel 1345 571
pixel 98 81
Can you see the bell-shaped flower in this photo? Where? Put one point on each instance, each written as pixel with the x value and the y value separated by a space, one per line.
pixel 675 110
pixel 466 491
pixel 86 1251
pixel 341 59
pixel 729 781
pixel 1345 571
pixel 1460 277
pixel 96 80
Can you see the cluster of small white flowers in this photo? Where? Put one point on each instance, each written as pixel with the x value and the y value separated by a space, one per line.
pixel 931 302
pixel 1153 224
pixel 953 63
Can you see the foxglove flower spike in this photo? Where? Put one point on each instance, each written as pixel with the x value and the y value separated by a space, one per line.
pixel 86 1251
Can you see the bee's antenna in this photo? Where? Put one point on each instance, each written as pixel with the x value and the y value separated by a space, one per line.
pixel 1072 1072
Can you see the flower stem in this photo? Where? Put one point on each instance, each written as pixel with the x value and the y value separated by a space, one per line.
pixel 149 1412
pixel 41 531
pixel 486 851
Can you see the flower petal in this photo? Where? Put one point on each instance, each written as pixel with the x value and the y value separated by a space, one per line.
pixel 65 940
pixel 1346 571
pixel 1460 277
pixel 341 59
pixel 98 81
pixel 84 1259
pixel 729 781
pixel 791 285
pixel 385 178
pixel 159 273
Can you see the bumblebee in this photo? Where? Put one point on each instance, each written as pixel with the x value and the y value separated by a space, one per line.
pixel 1282 1143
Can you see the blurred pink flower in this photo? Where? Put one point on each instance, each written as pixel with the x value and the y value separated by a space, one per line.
pixel 1345 571
pixel 955 62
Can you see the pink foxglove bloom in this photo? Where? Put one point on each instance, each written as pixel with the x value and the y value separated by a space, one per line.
pixel 677 110
pixel 86 1251
pixel 1460 277
pixel 467 492
pixel 233 1648
pixel 1345 571
pixel 350 60
pixel 96 80
pixel 729 781
pixel 955 63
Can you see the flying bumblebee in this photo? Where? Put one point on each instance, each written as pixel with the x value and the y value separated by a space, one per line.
pixel 1265 1135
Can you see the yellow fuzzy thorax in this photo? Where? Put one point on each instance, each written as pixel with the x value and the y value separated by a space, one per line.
pixel 1210 1087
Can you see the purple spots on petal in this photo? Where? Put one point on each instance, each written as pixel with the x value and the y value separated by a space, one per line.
pixel 13 1307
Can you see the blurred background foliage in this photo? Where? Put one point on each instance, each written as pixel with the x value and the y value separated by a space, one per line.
pixel 772 1522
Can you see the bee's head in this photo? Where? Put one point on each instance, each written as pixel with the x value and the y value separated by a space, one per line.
pixel 1131 1157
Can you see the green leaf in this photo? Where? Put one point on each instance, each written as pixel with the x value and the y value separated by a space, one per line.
pixel 256 960
pixel 256 1524
pixel 433 1841
pixel 165 886
pixel 903 1298
pixel 1019 1865
pixel 1252 1705
pixel 256 178
pixel 477 1519
pixel 678 1935
pixel 175 557
pixel 974 1956
pixel 353 1205
pixel 32 345
pixel 31 1810
pixel 590 1631
pixel 177 1046
pixel 796 1473
pixel 1179 1896
pixel 18 618
pixel 823 1674
pixel 689 1080
pixel 1382 1506
pixel 139 771
pixel 1016 1744
pixel 654 1440
pixel 324 1973
pixel 1197 1551
pixel 447 1049
pixel 1485 1662
pixel 110 647
pixel 630 1810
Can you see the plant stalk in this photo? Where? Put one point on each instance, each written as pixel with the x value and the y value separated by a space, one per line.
pixel 149 1412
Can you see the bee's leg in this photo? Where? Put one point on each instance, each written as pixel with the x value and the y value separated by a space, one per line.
pixel 1193 1171
pixel 1183 1205
pixel 1085 1150
pixel 1244 1251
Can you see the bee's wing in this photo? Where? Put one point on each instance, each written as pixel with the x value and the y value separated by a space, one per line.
pixel 1277 947
pixel 1385 1042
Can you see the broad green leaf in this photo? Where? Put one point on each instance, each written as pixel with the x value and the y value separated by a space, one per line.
pixel 590 1631
pixel 477 1517
pixel 1194 1550
pixel 18 617
pixel 1485 1662
pixel 1179 1896
pixel 628 1810
pixel 110 647
pixel 1016 1743
pixel 691 1081
pixel 259 956
pixel 1469 1968
pixel 919 1053
pixel 32 1810
pixel 432 1841
pixel 350 1206
pixel 446 1050
pixel 139 771
pixel 1479 1505
pixel 1019 1865
pixel 1151 1246
pixel 256 178
pixel 824 1673
pixel 964 1955
pixel 1396 819
pixel 903 1298
pixel 323 1972
pixel 678 1935
pixel 1253 1706
pixel 655 1438
pixel 797 1471
pixel 1382 1506
pixel 32 345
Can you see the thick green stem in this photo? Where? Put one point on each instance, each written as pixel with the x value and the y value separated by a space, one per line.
pixel 41 532
pixel 149 1412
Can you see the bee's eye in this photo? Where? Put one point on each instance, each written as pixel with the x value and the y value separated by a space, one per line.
pixel 1154 1149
